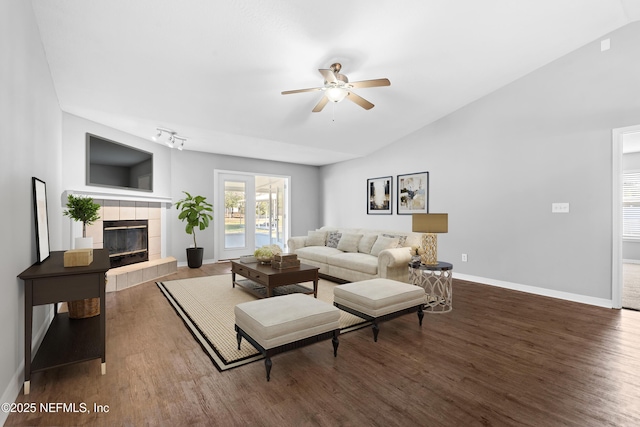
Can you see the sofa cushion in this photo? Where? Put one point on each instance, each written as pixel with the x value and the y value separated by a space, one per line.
pixel 317 253
pixel 401 239
pixel 349 242
pixel 383 243
pixel 333 239
pixel 355 261
pixel 366 243
pixel 316 238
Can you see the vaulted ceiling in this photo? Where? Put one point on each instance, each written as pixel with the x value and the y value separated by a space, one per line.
pixel 214 70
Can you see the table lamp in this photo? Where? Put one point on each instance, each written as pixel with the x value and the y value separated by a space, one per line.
pixel 430 224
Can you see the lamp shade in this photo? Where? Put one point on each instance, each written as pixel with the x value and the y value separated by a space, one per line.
pixel 430 223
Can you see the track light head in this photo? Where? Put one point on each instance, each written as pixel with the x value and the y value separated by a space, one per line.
pixel 172 138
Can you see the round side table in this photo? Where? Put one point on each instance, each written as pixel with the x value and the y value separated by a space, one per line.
pixel 437 282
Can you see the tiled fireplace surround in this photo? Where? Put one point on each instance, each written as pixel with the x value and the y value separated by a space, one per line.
pixel 133 274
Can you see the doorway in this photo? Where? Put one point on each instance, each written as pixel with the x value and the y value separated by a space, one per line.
pixel 254 212
pixel 626 157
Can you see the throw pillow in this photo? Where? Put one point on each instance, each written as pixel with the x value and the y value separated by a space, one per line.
pixel 383 243
pixel 401 239
pixel 334 238
pixel 366 243
pixel 349 242
pixel 315 238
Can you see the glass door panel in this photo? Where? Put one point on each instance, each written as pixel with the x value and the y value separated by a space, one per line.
pixel 270 211
pixel 235 225
pixel 253 212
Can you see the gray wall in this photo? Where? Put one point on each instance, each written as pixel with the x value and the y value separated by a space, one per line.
pixel 74 157
pixel 193 172
pixel 176 171
pixel 74 131
pixel 30 120
pixel 498 164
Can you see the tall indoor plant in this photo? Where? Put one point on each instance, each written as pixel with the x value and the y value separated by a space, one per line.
pixel 84 210
pixel 194 210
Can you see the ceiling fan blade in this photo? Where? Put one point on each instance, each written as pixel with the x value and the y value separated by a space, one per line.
pixel 359 100
pixel 371 83
pixel 328 76
pixel 313 89
pixel 320 105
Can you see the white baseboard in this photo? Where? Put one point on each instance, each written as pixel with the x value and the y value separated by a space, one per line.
pixel 631 261
pixel 600 302
pixel 204 261
pixel 17 380
pixel 11 392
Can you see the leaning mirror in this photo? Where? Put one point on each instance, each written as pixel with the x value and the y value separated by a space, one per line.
pixel 41 220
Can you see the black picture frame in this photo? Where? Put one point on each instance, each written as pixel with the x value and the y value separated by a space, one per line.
pixel 41 218
pixel 380 196
pixel 413 193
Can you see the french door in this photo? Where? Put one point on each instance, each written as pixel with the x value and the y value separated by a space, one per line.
pixel 251 211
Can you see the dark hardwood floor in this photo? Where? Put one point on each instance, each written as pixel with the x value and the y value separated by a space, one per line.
pixel 500 358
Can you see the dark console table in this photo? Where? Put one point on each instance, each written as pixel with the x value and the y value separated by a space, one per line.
pixel 67 340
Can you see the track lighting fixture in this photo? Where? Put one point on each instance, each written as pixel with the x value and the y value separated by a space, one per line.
pixel 173 140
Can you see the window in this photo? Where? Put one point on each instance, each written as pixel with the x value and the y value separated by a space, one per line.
pixel 631 204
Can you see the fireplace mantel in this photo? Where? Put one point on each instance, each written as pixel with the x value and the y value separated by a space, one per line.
pixel 116 196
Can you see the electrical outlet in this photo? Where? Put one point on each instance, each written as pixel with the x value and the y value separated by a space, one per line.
pixel 560 207
pixel 464 257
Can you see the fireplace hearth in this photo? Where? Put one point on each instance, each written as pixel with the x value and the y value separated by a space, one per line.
pixel 127 241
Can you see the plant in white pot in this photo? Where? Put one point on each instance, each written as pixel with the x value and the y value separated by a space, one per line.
pixel 84 210
pixel 194 210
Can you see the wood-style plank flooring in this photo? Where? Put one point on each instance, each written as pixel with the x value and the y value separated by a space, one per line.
pixel 500 358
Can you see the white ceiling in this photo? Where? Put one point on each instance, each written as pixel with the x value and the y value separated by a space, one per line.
pixel 213 70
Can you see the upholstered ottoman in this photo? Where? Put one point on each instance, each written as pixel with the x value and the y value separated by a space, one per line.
pixel 377 300
pixel 277 324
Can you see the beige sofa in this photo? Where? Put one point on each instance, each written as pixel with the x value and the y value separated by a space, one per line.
pixel 352 255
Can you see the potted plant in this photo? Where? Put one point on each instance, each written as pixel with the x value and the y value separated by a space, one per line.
pixel 84 210
pixel 194 210
pixel 265 254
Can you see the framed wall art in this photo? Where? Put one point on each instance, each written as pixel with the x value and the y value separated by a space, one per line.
pixel 379 195
pixel 41 218
pixel 413 193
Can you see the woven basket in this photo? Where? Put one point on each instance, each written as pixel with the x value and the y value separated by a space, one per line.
pixel 84 308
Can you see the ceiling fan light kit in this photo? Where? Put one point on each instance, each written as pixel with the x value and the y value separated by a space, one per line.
pixel 335 94
pixel 337 87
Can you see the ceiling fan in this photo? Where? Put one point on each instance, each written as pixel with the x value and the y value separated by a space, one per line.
pixel 337 87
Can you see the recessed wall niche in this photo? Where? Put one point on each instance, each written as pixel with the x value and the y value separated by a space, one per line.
pixel 115 165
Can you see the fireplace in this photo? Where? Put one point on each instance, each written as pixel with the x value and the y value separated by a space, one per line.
pixel 127 241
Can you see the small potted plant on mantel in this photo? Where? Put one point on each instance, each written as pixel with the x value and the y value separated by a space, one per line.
pixel 194 210
pixel 84 210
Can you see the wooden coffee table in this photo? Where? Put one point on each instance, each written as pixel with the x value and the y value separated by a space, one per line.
pixel 271 278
